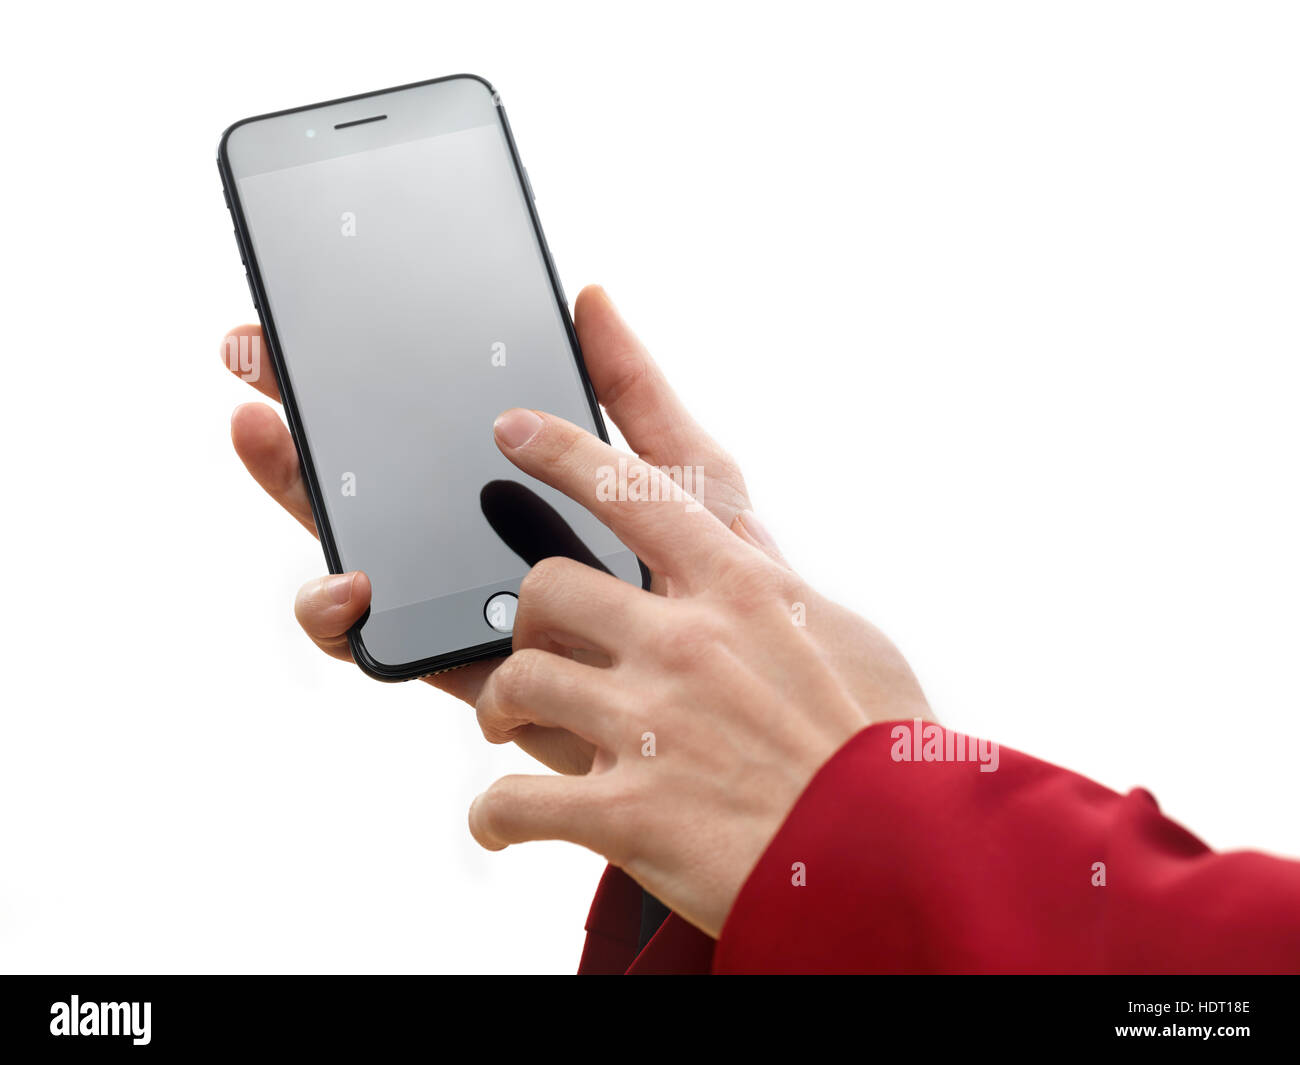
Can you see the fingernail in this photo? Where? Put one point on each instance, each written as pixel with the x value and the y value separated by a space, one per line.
pixel 516 427
pixel 758 530
pixel 339 588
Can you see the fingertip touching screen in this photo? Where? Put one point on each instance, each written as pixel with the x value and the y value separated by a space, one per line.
pixel 411 302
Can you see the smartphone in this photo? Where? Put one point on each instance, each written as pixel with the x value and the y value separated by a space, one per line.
pixel 407 297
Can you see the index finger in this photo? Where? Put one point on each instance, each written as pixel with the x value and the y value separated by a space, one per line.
pixel 643 505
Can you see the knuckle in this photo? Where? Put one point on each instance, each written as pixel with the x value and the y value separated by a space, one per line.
pixel 631 372
pixel 540 581
pixel 696 632
pixel 782 583
pixel 566 443
pixel 516 676
pixel 490 721
pixel 752 576
pixel 703 628
pixel 490 713
pixel 662 641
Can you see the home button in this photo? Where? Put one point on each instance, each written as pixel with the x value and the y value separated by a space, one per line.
pixel 499 611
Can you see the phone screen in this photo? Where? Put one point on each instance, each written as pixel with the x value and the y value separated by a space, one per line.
pixel 411 300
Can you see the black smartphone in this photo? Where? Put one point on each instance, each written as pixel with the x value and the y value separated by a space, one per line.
pixel 407 297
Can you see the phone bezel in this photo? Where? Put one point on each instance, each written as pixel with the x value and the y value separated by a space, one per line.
pixel 360 653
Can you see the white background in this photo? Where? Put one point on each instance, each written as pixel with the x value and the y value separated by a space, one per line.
pixel 997 303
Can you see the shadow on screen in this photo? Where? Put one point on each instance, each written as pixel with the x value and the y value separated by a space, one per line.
pixel 530 526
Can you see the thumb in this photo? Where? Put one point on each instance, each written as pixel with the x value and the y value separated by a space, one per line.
pixel 632 388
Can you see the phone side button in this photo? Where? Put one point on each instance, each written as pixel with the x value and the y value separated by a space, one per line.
pixel 253 294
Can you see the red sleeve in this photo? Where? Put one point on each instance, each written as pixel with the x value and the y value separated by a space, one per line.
pixel 945 866
pixel 613 928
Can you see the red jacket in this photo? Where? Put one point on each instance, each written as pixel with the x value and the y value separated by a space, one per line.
pixel 936 866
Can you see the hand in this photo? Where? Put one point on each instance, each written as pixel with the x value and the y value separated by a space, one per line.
pixel 715 709
pixel 639 401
